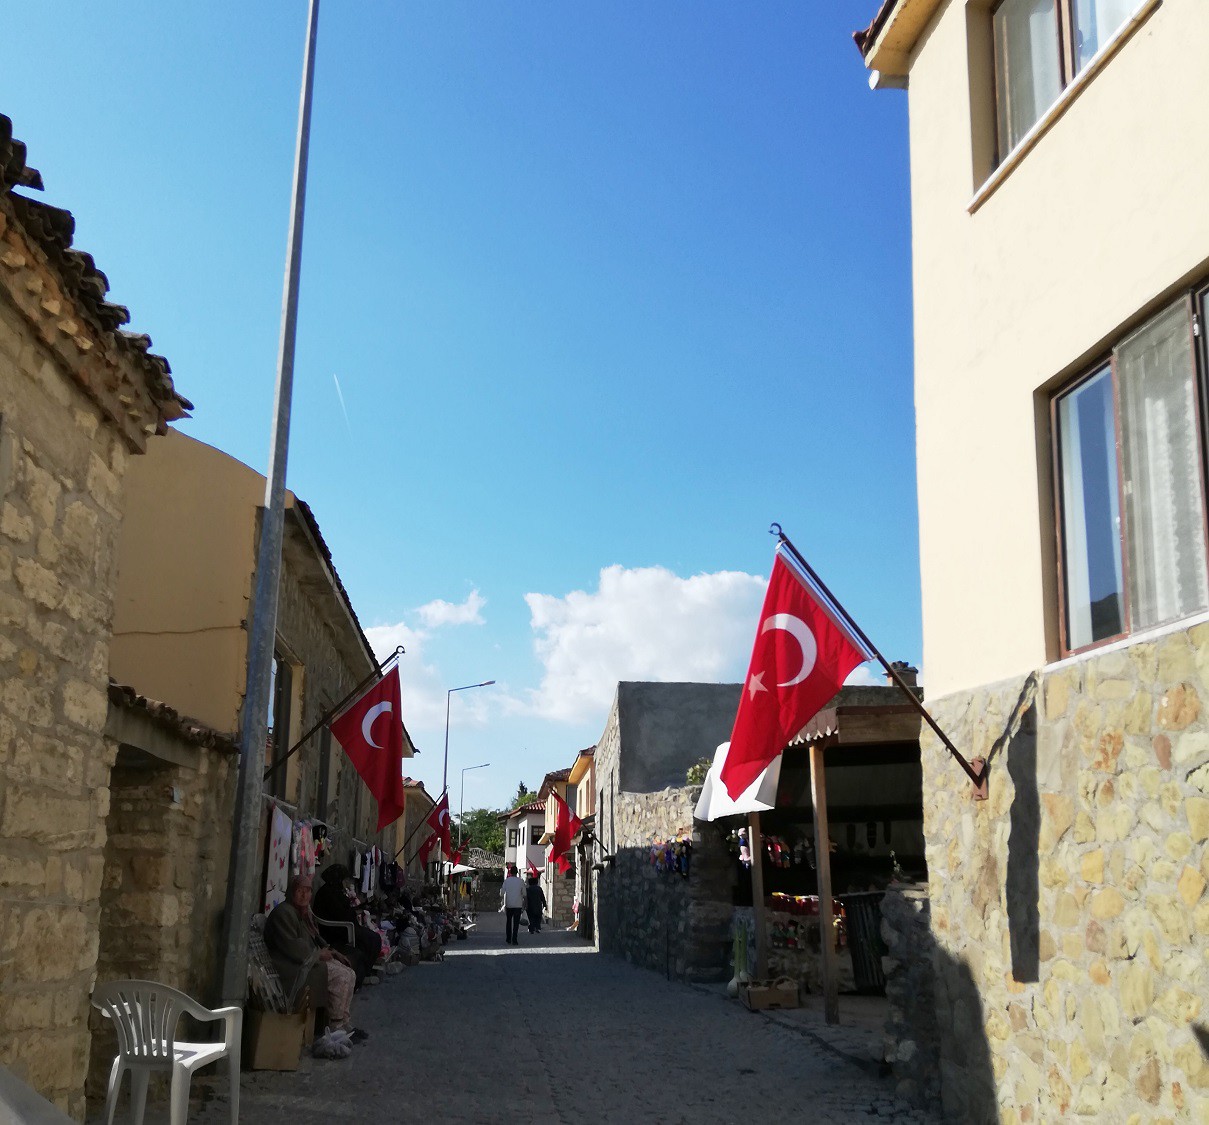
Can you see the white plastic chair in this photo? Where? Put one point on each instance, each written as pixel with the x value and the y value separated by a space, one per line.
pixel 145 1015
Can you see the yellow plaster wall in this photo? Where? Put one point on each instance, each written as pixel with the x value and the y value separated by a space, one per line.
pixel 185 564
pixel 1101 221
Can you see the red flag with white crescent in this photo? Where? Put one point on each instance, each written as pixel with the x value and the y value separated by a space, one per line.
pixel 802 655
pixel 566 824
pixel 438 821
pixel 371 733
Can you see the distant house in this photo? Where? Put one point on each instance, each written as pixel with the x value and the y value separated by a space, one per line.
pixel 581 783
pixel 523 829
pixel 558 886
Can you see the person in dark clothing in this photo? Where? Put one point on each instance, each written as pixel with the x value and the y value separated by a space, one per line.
pixel 332 904
pixel 535 904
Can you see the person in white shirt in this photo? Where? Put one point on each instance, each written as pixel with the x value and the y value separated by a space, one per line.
pixel 513 896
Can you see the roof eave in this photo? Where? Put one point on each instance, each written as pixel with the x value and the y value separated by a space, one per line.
pixel 888 42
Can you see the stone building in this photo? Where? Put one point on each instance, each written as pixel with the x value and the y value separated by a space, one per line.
pixel 412 832
pixel 187 565
pixel 78 397
pixel 654 733
pixel 1061 265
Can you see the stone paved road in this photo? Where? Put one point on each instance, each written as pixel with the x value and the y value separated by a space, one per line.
pixel 552 1032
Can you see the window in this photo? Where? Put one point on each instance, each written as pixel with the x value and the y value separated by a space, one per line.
pixel 1130 488
pixel 1040 46
pixel 281 692
pixel 513 837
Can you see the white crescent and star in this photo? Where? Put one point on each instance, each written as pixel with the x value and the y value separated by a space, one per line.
pixel 800 631
pixel 443 817
pixel 368 722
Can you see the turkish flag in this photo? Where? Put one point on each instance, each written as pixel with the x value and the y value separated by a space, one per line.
pixel 533 871
pixel 438 821
pixel 371 732
pixel 566 824
pixel 802 655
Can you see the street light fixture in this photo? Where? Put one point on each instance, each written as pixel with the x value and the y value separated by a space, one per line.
pixel 448 695
pixel 462 799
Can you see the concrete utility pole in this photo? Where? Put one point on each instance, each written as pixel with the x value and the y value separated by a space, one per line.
pixel 262 626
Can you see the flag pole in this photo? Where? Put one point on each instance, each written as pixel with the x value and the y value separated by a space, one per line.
pixel 976 776
pixel 332 712
pixel 755 848
pixel 417 829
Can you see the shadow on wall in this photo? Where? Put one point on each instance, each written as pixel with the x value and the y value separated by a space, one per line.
pixel 935 1040
pixel 1022 887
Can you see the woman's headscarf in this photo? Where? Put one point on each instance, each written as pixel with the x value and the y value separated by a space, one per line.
pixel 308 919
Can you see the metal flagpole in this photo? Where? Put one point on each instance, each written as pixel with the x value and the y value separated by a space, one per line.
pixel 262 627
pixel 333 712
pixel 976 776
pixel 415 830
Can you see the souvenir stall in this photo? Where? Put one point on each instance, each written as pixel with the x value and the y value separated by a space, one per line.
pixel 855 770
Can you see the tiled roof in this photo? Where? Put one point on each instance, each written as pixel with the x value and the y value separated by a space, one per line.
pixel 168 717
pixel 532 806
pixel 50 230
pixel 865 39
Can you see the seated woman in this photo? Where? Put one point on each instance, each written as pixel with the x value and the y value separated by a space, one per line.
pixel 332 904
pixel 292 939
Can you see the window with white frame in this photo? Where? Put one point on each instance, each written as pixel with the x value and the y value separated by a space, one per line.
pixel 1040 47
pixel 1130 484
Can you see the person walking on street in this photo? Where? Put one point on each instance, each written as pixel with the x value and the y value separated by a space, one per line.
pixel 513 894
pixel 535 904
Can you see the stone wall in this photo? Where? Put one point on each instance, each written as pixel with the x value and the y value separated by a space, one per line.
pixel 912 1029
pixel 327 677
pixel 166 854
pixel 1068 909
pixel 661 920
pixel 61 472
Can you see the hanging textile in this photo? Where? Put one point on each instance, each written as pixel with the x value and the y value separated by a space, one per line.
pixel 281 832
pixel 306 850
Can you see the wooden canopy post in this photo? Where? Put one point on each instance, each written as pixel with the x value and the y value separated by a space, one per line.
pixel 755 845
pixel 822 858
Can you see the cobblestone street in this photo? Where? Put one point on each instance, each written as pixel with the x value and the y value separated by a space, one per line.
pixel 551 1031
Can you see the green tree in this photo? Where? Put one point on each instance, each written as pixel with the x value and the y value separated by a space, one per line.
pixel 482 827
pixel 523 796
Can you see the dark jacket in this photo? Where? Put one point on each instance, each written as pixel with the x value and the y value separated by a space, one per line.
pixel 292 947
pixel 535 898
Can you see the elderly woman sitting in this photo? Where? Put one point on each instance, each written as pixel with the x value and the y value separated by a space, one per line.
pixel 292 940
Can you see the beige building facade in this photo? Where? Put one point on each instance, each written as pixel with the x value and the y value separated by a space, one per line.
pixel 79 398
pixel 188 559
pixel 1061 257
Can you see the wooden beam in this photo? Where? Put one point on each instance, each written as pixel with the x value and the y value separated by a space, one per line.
pixel 755 845
pixel 822 857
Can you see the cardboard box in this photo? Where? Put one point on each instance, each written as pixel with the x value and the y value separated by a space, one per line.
pixel 272 1041
pixel 762 994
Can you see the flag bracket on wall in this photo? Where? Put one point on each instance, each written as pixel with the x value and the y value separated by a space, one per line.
pixel 977 775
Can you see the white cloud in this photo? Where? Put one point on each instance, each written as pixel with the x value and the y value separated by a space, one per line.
pixel 438 613
pixel 639 624
pixel 866 675
pixel 423 693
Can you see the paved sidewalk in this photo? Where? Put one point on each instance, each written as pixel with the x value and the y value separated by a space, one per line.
pixel 550 1031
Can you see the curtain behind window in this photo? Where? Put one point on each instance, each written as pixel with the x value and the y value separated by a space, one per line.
pixel 1028 76
pixel 1161 463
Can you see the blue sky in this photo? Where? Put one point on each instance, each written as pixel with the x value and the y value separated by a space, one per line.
pixel 607 288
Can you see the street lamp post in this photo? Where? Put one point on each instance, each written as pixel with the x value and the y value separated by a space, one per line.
pixel 448 696
pixel 462 799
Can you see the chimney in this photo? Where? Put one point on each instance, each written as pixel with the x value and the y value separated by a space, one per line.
pixel 908 675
